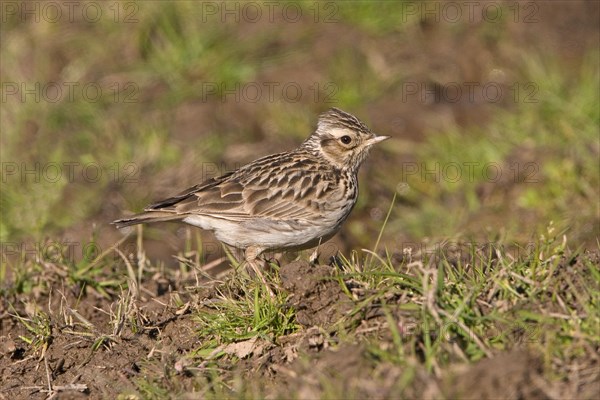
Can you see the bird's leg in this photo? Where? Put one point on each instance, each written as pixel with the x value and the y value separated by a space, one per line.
pixel 251 255
pixel 314 257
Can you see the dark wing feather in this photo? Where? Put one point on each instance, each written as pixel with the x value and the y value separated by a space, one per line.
pixel 206 185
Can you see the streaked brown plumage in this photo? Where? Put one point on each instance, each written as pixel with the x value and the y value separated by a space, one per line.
pixel 290 200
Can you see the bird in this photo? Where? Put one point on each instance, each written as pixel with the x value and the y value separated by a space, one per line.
pixel 292 200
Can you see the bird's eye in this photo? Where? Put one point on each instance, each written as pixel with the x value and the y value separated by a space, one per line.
pixel 346 139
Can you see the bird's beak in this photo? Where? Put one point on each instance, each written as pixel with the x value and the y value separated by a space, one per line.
pixel 376 139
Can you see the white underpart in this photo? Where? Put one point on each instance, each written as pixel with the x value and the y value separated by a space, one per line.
pixel 272 234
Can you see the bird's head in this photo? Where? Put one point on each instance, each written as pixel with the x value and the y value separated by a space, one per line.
pixel 342 139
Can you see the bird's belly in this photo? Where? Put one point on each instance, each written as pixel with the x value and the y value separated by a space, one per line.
pixel 271 234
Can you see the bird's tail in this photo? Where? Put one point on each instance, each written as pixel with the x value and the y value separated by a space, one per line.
pixel 147 217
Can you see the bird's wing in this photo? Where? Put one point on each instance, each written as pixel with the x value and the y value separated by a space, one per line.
pixel 267 188
pixel 207 186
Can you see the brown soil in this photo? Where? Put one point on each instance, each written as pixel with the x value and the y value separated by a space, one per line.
pixel 316 296
pixel 313 362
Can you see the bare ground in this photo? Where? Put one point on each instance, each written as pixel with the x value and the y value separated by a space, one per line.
pixel 319 359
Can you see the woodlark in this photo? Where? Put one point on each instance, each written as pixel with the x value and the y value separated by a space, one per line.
pixel 291 200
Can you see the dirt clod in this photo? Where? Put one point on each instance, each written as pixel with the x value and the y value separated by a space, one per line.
pixel 315 294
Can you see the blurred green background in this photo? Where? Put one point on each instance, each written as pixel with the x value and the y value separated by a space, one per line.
pixel 493 109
